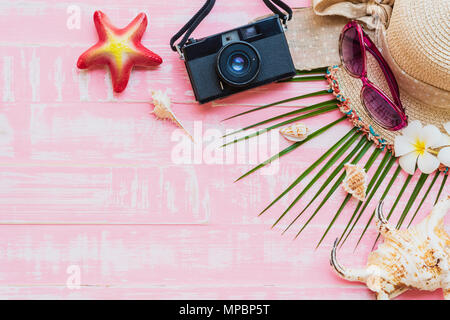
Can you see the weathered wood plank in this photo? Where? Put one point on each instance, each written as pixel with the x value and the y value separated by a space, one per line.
pixel 72 153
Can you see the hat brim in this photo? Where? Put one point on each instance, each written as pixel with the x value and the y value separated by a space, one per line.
pixel 348 90
pixel 313 41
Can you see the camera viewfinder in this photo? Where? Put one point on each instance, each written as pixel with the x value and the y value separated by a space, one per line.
pixel 249 32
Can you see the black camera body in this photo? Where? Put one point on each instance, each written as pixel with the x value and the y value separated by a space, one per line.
pixel 238 59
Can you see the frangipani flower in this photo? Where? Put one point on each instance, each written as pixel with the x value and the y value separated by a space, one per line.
pixel 416 146
pixel 444 154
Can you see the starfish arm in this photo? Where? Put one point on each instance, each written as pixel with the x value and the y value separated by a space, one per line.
pixel 91 57
pixel 137 27
pixel 119 49
pixel 120 76
pixel 145 57
pixel 102 25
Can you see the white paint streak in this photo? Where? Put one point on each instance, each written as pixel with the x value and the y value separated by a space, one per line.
pixel 6 138
pixel 8 75
pixel 22 59
pixel 109 87
pixel 35 76
pixel 170 192
pixel 160 254
pixel 134 189
pixel 206 206
pixel 82 77
pixel 192 190
pixel 220 258
pixel 59 78
pixel 25 8
pixel 133 83
pixel 145 201
pixel 37 123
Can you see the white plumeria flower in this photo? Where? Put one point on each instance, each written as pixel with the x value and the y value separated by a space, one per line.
pixel 444 154
pixel 415 146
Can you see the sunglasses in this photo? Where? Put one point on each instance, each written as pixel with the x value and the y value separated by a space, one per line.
pixel 386 112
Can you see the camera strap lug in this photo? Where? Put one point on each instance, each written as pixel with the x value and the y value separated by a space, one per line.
pixel 180 52
pixel 277 7
pixel 284 21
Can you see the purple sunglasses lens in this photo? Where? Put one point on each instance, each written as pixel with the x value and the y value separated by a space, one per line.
pixel 351 51
pixel 381 109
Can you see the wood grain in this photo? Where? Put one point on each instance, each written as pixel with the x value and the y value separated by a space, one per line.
pixel 88 178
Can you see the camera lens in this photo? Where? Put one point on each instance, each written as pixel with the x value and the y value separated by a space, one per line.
pixel 238 63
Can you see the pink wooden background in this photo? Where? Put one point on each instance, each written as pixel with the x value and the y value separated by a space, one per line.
pixel 87 179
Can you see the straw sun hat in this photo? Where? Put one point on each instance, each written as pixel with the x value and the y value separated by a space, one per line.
pixel 413 37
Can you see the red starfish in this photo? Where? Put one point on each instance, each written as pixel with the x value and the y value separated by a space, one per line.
pixel 120 49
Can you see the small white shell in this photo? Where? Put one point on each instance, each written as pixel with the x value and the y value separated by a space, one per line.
pixel 355 181
pixel 296 132
pixel 162 110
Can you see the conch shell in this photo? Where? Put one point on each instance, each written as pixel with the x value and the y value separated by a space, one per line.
pixel 415 258
pixel 296 132
pixel 355 181
pixel 162 110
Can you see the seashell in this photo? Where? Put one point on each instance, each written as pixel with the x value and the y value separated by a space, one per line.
pixel 296 132
pixel 355 181
pixel 414 258
pixel 162 110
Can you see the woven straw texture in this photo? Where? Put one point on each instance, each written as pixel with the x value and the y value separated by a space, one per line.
pixel 423 58
pixel 419 40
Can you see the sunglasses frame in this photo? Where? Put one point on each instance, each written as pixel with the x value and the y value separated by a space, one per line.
pixel 366 44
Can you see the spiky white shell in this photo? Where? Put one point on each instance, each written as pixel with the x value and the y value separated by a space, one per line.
pixel 162 109
pixel 296 132
pixel 355 181
pixel 414 258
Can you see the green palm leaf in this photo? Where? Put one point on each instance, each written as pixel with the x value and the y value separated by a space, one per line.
pixel 368 165
pixel 330 162
pixel 386 191
pixel 399 196
pixel 305 79
pixel 312 167
pixel 305 116
pixel 360 203
pixel 444 180
pixel 293 147
pixel 381 178
pixel 308 95
pixel 423 177
pixel 424 197
pixel 358 157
pixel 329 179
pixel 312 71
pixel 336 152
pixel 388 167
pixel 316 106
